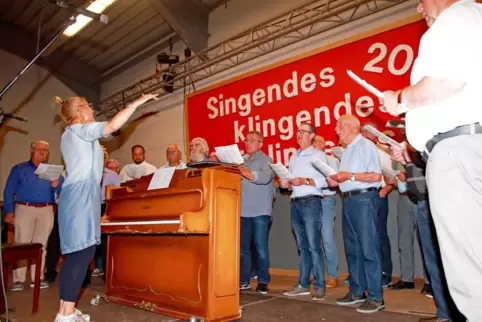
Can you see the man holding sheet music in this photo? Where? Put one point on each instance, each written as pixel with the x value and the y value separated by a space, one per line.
pixel 139 168
pixel 256 207
pixel 29 204
pixel 443 115
pixel 306 212
pixel 359 181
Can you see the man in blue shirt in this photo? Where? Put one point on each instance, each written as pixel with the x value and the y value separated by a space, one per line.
pixel 28 202
pixel 306 212
pixel 256 207
pixel 360 179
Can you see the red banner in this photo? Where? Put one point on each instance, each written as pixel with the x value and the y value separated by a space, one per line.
pixel 314 89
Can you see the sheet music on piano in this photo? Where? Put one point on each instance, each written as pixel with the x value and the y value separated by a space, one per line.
pixel 229 154
pixel 161 178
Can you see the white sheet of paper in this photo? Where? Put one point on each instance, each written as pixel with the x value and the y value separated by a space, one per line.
pixel 364 84
pixel 337 152
pixel 387 165
pixel 49 171
pixel 229 154
pixel 384 138
pixel 135 171
pixel 281 171
pixel 323 167
pixel 161 178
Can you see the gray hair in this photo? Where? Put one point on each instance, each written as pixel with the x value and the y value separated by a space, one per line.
pixel 204 143
pixel 34 143
pixel 178 148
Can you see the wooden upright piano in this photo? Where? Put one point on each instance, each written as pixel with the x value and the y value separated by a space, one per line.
pixel 175 251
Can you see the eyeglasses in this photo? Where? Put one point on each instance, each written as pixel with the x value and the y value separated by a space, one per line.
pixel 304 131
pixel 251 141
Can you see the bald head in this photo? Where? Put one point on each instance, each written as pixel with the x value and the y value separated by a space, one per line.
pixel 347 128
pixel 319 143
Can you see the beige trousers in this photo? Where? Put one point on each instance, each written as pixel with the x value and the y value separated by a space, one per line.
pixel 32 225
pixel 454 178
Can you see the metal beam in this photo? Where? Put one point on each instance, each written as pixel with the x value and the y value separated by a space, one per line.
pixel 188 18
pixel 298 24
pixel 76 75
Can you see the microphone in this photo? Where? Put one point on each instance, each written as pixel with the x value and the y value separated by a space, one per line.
pixel 72 8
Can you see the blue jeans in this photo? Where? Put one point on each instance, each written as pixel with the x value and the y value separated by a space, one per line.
pixel 328 234
pixel 360 217
pixel 306 221
pixel 446 308
pixel 256 229
pixel 385 248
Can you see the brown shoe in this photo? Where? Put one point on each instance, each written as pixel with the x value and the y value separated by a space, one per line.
pixel 331 283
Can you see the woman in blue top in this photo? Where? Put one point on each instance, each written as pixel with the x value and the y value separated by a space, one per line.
pixel 79 202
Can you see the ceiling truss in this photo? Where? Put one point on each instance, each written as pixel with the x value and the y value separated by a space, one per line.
pixel 298 24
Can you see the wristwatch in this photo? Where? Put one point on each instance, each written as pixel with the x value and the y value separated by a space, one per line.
pixel 352 177
pixel 401 106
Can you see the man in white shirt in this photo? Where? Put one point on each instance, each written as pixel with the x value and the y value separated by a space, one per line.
pixel 443 110
pixel 174 156
pixel 139 168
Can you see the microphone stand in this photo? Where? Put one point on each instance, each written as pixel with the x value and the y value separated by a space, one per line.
pixel 4 116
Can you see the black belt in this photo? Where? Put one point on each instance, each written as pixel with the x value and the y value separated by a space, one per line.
pixel 459 130
pixel 353 193
pixel 309 197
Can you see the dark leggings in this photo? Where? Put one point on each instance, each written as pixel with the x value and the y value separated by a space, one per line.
pixel 73 273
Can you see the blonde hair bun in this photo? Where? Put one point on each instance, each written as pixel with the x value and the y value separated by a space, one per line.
pixel 58 100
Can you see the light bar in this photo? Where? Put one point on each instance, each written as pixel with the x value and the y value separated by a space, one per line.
pixel 98 6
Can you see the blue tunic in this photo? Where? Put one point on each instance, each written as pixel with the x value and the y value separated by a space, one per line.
pixel 80 198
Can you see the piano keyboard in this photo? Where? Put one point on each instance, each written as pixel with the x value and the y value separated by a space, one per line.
pixel 131 223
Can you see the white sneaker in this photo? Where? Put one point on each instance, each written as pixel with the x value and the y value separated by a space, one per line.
pixel 86 317
pixel 98 272
pixel 70 318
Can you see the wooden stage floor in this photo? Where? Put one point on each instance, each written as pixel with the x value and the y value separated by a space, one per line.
pixel 401 305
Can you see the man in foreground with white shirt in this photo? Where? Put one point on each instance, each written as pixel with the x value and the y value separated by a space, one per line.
pixel 306 212
pixel 443 115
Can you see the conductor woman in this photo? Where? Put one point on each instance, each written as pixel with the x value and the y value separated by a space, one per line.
pixel 79 203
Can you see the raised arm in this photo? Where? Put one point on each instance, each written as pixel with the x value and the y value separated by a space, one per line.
pixel 121 118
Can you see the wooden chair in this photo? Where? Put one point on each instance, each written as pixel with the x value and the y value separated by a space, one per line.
pixel 16 252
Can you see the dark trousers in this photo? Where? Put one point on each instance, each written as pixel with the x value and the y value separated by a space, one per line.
pixel 73 272
pixel 362 244
pixel 53 251
pixel 385 248
pixel 255 229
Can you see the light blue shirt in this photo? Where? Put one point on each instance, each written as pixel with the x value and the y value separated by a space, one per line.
pixel 300 166
pixel 82 153
pixel 334 163
pixel 181 166
pixel 257 195
pixel 110 178
pixel 360 156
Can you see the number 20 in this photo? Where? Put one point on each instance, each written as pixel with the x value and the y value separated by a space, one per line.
pixel 370 66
